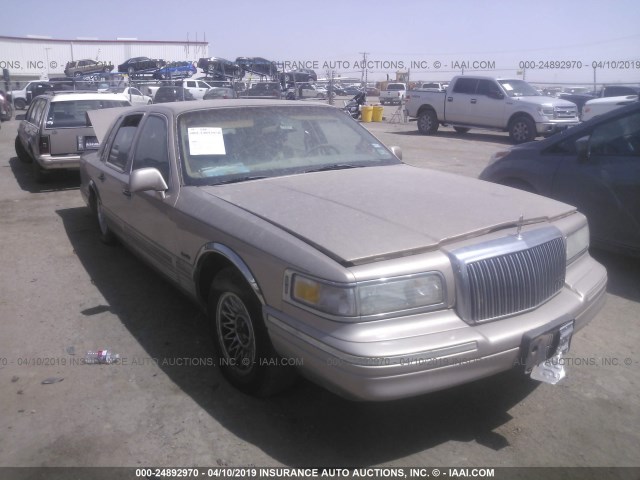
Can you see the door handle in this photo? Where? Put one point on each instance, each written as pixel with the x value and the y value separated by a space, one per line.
pixel 101 177
pixel 473 100
pixel 126 192
pixel 449 99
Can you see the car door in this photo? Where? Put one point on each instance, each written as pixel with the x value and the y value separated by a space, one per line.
pixel 29 128
pixel 604 183
pixel 112 182
pixel 149 218
pixel 489 106
pixel 459 107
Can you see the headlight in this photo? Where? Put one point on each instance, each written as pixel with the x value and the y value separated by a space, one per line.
pixel 577 242
pixel 377 297
pixel 546 110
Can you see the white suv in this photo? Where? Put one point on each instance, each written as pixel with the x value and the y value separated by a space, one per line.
pixel 56 129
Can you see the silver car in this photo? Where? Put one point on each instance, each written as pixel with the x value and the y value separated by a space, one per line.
pixel 313 248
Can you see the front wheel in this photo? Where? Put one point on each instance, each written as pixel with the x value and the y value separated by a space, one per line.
pixel 20 103
pixel 522 129
pixel 428 122
pixel 246 357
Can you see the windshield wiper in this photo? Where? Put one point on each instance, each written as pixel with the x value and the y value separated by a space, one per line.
pixel 241 179
pixel 335 166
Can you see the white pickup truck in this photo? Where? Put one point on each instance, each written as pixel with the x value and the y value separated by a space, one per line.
pixel 394 93
pixel 508 105
pixel 197 87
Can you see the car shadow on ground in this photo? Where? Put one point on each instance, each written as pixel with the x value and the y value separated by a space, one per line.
pixel 623 273
pixel 333 431
pixel 56 180
pixel 468 137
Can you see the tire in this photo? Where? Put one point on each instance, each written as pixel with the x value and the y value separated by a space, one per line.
pixel 246 357
pixel 428 122
pixel 461 129
pixel 20 103
pixel 106 234
pixel 522 129
pixel 23 155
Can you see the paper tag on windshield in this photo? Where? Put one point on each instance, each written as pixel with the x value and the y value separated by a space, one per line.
pixel 206 141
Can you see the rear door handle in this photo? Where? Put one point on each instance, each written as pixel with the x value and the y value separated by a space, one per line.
pixel 126 192
pixel 473 100
pixel 449 99
pixel 101 177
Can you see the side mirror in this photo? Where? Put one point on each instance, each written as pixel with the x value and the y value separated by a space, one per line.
pixel 582 147
pixel 147 179
pixel 397 151
pixel 496 95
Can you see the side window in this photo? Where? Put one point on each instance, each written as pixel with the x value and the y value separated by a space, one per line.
pixel 191 84
pixel 135 91
pixel 617 137
pixel 119 151
pixel 465 85
pixel 487 87
pixel 31 113
pixel 151 150
pixel 202 85
pixel 39 109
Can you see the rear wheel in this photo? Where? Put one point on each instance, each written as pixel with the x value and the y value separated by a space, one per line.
pixel 246 357
pixel 23 155
pixel 20 103
pixel 428 122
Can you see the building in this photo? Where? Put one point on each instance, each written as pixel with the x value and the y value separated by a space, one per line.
pixel 33 57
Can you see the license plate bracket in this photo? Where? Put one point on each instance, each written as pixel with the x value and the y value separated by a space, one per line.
pixel 542 351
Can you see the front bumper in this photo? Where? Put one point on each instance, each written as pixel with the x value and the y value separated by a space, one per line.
pixel 404 366
pixel 54 162
pixel 549 128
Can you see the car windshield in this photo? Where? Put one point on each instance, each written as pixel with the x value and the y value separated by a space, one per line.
pixel 73 113
pixel 234 144
pixel 518 88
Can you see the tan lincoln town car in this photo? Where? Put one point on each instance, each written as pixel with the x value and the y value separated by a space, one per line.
pixel 314 249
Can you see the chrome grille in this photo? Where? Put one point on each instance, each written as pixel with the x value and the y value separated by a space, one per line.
pixel 500 284
pixel 565 111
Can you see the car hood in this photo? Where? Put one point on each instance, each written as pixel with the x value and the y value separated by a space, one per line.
pixel 368 214
pixel 543 100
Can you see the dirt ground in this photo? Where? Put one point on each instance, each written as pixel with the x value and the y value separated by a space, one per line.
pixel 63 293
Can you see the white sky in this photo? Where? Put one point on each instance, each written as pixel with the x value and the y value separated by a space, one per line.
pixel 503 34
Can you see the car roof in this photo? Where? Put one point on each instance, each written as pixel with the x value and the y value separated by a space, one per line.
pixel 69 97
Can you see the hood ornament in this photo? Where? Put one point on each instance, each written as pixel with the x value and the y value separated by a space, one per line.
pixel 519 226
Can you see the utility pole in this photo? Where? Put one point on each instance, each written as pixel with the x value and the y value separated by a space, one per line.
pixel 363 76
